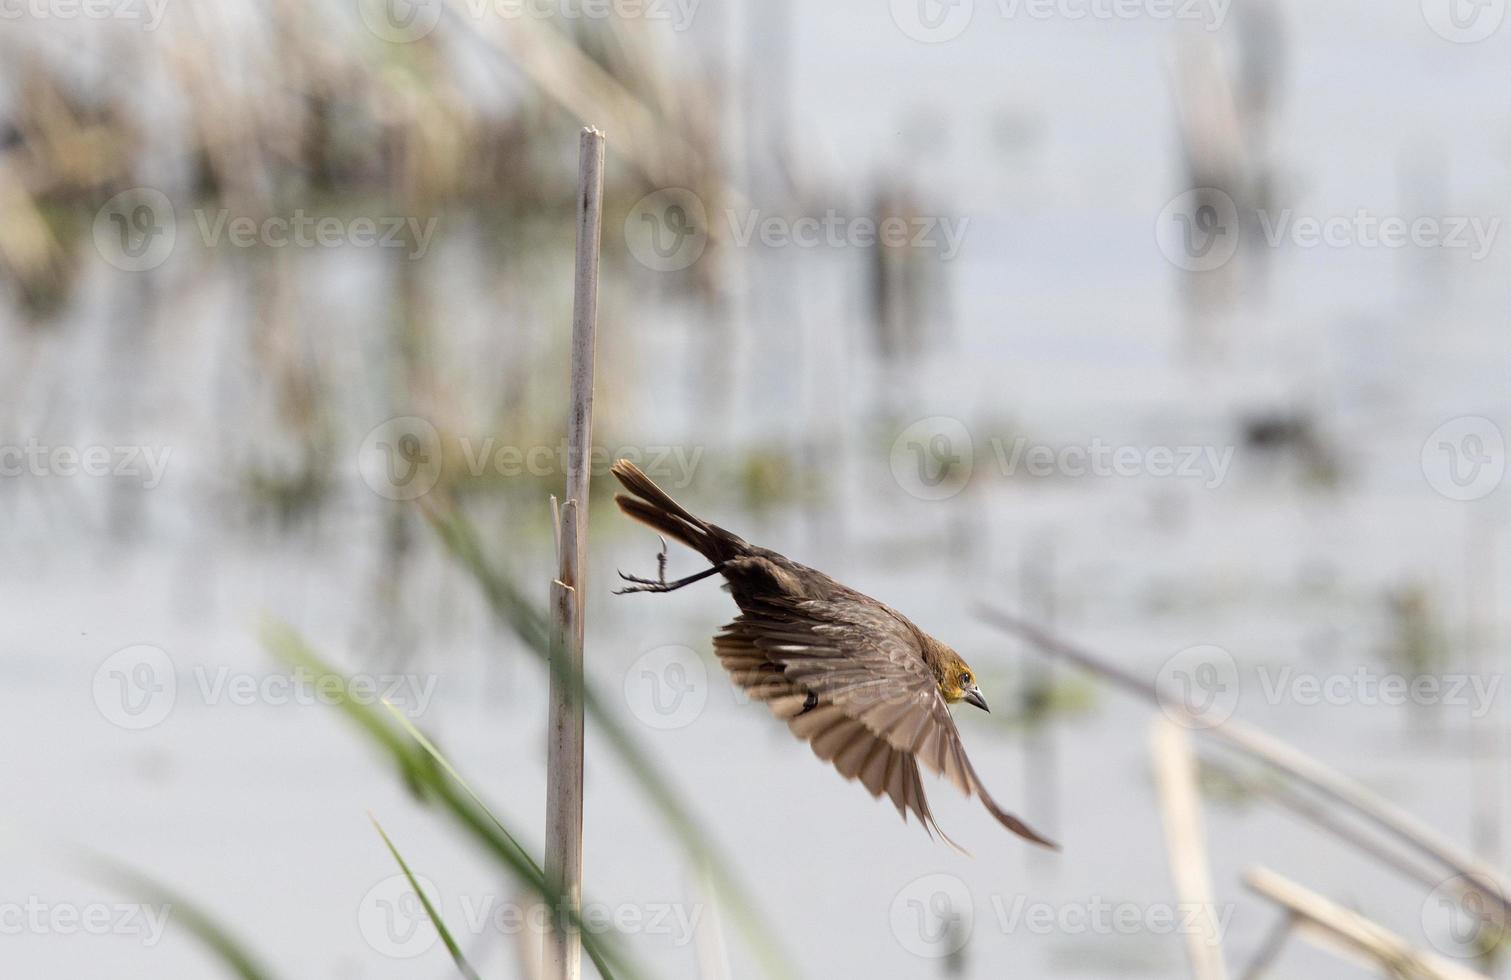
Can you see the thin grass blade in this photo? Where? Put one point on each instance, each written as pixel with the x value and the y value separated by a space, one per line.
pixel 435 780
pixel 435 917
pixel 201 924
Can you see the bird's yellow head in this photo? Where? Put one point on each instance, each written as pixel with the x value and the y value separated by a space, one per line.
pixel 957 681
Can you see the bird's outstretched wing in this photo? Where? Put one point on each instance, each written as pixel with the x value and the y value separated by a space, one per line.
pixel 849 678
pixel 852 748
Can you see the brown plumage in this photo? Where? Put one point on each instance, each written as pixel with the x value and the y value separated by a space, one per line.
pixel 867 689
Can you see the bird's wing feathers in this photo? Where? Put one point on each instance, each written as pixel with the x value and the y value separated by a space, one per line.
pixel 853 749
pixel 850 679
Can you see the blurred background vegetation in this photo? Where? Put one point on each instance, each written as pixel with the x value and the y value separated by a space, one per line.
pixel 777 384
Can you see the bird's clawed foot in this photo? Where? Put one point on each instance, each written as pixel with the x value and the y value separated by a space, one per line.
pixel 659 583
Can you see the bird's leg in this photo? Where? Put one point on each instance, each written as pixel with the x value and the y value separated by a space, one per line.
pixel 660 584
pixel 646 585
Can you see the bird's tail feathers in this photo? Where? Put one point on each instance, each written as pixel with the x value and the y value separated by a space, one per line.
pixel 662 521
pixel 1007 819
pixel 655 508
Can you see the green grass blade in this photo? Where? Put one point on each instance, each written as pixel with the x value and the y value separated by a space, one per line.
pixel 593 952
pixel 200 924
pixel 436 781
pixel 442 761
pixel 435 917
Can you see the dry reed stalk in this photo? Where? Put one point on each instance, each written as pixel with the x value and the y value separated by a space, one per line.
pixel 563 864
pixel 1477 874
pixel 1186 837
pixel 1325 923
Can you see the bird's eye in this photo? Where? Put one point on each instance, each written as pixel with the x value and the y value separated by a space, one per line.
pixel 965 679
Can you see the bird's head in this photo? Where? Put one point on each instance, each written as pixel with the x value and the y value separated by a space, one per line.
pixel 957 681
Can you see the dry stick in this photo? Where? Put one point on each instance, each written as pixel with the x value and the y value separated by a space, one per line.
pixel 1473 872
pixel 1329 924
pixel 1308 809
pixel 562 956
pixel 1186 837
pixel 563 865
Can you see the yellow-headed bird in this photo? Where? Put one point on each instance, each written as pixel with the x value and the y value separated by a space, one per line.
pixel 852 677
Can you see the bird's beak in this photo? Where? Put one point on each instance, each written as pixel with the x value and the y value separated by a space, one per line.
pixel 973 696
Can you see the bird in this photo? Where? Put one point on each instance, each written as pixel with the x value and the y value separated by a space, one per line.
pixel 860 683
